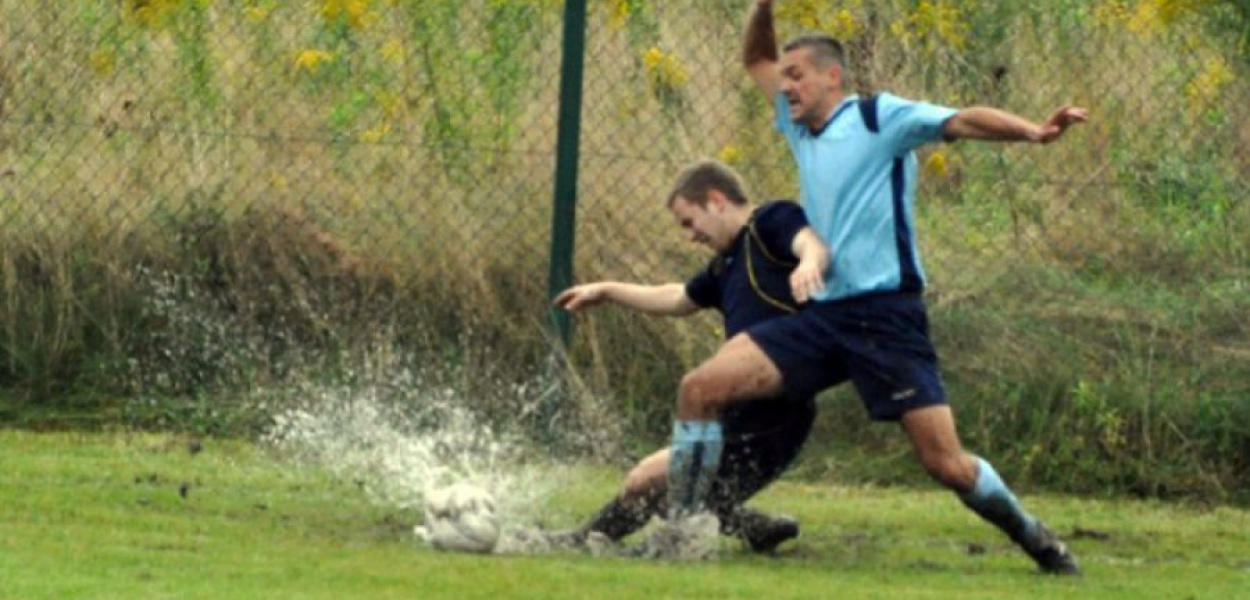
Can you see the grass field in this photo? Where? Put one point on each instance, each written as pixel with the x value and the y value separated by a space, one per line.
pixel 121 515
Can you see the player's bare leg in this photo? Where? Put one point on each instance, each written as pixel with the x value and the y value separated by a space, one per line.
pixel 739 371
pixel 936 443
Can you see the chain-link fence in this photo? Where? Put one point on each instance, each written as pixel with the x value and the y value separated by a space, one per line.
pixel 379 162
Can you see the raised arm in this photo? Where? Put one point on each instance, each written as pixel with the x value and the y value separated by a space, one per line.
pixel 666 299
pixel 809 276
pixel 759 48
pixel 992 124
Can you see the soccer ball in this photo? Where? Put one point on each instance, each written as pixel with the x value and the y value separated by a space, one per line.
pixel 460 518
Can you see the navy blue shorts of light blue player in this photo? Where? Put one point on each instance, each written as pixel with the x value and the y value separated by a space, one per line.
pixel 878 341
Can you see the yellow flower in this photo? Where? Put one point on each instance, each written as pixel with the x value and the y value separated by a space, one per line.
pixel 936 164
pixel 1146 17
pixel 311 60
pixel 730 155
pixel 393 51
pixel 256 14
pixel 391 103
pixel 356 13
pixel 803 12
pixel 663 70
pixel 845 26
pixel 939 19
pixel 1204 89
pixel 103 61
pixel 1111 13
pixel 1146 20
pixel 652 57
pixel 375 134
pixel 620 11
pixel 1171 11
pixel 841 23
pixel 151 13
pixel 899 30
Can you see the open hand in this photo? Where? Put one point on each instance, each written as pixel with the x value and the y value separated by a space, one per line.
pixel 805 281
pixel 1060 121
pixel 579 297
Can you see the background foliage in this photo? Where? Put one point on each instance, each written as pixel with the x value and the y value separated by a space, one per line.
pixel 201 200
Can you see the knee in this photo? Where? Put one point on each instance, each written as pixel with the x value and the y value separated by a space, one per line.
pixel 641 482
pixel 956 471
pixel 696 397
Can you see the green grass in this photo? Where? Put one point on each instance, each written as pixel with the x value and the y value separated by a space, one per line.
pixel 101 515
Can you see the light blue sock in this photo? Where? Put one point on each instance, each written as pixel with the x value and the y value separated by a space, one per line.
pixel 694 458
pixel 991 499
pixel 712 443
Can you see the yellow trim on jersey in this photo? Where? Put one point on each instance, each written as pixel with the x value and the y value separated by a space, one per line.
pixel 753 235
pixel 764 249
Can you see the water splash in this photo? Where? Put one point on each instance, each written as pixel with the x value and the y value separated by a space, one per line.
pixel 399 451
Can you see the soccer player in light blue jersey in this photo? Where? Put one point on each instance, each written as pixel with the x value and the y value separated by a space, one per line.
pixel 857 180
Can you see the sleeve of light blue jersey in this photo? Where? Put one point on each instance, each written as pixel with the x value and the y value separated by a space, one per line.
pixel 907 124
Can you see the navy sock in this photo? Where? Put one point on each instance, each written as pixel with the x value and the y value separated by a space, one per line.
pixel 618 518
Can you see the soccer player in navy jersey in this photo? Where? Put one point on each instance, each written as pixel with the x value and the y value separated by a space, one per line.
pixel 767 262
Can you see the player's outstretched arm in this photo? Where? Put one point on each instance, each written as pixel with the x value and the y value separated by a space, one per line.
pixel 992 124
pixel 666 299
pixel 808 277
pixel 759 48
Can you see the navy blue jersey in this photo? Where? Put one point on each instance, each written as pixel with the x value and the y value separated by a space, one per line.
pixel 748 284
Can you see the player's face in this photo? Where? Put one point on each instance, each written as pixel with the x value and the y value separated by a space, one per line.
pixel 809 88
pixel 701 224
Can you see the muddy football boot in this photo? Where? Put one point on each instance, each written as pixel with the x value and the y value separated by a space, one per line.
pixel 762 533
pixel 1050 553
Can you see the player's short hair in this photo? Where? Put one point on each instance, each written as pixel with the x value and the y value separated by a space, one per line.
pixel 826 50
pixel 697 179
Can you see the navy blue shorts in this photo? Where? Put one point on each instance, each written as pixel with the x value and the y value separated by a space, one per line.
pixel 879 342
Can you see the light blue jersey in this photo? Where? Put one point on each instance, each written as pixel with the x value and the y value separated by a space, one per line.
pixel 858 189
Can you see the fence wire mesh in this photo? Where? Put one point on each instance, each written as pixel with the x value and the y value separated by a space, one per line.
pixel 411 143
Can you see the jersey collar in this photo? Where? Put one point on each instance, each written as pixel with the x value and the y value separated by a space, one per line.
pixel 846 103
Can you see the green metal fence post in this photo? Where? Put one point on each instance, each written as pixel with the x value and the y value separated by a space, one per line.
pixel 568 133
pixel 564 207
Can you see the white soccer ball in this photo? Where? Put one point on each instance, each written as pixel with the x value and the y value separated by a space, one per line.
pixel 460 518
